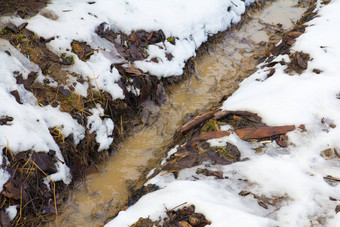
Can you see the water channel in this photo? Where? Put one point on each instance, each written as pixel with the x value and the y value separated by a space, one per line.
pixel 219 72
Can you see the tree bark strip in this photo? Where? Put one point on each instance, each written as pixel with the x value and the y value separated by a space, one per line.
pixel 263 132
pixel 197 121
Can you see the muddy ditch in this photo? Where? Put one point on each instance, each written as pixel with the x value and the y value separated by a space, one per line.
pixel 38 204
pixel 191 137
pixel 118 182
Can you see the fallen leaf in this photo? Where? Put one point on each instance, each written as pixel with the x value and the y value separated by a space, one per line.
pixel 207 172
pixel 337 209
pixel 262 204
pixel 4 219
pixel 294 34
pixel 300 61
pixel 11 191
pixel 271 72
pixel 45 162
pixel 184 224
pixel 160 94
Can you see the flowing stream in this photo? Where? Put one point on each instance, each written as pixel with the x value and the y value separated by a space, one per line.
pixel 219 72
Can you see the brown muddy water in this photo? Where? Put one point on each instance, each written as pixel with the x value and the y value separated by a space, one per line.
pixel 219 72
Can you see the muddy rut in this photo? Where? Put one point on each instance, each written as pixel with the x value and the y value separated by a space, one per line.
pixel 226 60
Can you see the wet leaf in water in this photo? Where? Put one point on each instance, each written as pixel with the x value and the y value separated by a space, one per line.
pixel 160 94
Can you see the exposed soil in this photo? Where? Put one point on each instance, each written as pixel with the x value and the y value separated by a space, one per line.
pixel 22 8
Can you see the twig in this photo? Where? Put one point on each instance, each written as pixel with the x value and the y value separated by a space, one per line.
pixel 178 206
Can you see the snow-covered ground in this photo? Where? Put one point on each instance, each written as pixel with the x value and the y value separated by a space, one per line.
pixel 27 123
pixel 295 173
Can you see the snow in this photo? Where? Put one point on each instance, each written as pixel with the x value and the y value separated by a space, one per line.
pixel 103 128
pixel 77 20
pixel 4 175
pixel 295 173
pixel 12 212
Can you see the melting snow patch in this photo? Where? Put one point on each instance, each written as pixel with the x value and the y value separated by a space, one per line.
pixel 190 21
pixel 102 128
